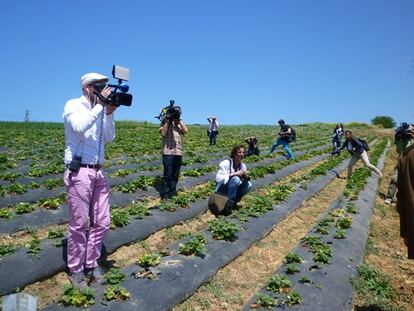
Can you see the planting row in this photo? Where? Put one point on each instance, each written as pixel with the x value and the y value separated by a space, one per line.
pixel 50 260
pixel 327 260
pixel 18 217
pixel 193 260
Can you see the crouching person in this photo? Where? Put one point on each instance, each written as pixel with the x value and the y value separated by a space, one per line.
pixel 232 179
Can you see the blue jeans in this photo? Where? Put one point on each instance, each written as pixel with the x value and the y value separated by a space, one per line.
pixel 285 145
pixel 336 143
pixel 234 189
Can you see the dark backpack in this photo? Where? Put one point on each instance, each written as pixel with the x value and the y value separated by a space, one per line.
pixel 364 144
pixel 292 136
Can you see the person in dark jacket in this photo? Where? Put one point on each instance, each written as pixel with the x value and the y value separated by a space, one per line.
pixel 285 135
pixel 356 149
pixel 253 146
pixel 405 195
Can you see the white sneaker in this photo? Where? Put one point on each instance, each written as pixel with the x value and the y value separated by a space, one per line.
pixel 388 201
pixel 380 175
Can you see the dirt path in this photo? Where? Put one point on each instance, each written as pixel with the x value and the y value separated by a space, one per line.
pixel 386 250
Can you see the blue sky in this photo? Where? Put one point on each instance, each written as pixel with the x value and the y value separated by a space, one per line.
pixel 247 62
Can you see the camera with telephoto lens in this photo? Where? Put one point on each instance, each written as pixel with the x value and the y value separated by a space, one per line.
pixel 119 95
pixel 404 132
pixel 170 112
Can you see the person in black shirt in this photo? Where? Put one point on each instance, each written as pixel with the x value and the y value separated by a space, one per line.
pixel 284 139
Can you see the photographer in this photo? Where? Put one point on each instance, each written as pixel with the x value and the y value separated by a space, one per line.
pixel 89 124
pixel 212 129
pixel 232 179
pixel 285 137
pixel 405 194
pixel 402 137
pixel 172 128
pixel 253 146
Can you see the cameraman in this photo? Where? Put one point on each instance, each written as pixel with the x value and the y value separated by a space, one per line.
pixel 402 137
pixel 172 128
pixel 232 179
pixel 89 124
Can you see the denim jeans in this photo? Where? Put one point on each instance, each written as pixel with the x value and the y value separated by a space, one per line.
pixel 336 143
pixel 172 166
pixel 235 189
pixel 285 145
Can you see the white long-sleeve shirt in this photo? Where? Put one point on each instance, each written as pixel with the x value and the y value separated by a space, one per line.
pixel 225 169
pixel 213 126
pixel 82 130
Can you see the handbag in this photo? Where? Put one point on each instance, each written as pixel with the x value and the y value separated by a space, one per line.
pixel 218 202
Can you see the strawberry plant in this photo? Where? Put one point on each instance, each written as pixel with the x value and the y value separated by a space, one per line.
pixel 352 208
pixel 265 301
pixel 149 260
pixel 116 292
pixel 339 234
pixel 9 176
pixel 168 206
pixel 119 218
pixel 139 210
pixel 23 208
pixel 292 258
pixel 5 213
pixel 53 183
pixel 56 233
pixel 34 246
pixel 344 223
pixel 16 188
pixel 6 250
pixel 73 296
pixel 294 298
pixel 222 229
pixel 292 269
pixel 195 245
pixel 279 284
pixel 114 276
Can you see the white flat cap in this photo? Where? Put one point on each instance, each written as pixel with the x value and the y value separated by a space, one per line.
pixel 92 77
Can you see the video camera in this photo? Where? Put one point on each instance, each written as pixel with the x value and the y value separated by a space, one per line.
pixel 121 98
pixel 404 132
pixel 170 112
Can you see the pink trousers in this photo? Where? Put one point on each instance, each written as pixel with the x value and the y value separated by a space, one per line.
pixel 88 201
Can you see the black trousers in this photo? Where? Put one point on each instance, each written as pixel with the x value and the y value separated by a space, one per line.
pixel 172 166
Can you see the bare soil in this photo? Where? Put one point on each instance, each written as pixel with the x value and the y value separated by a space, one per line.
pixel 386 251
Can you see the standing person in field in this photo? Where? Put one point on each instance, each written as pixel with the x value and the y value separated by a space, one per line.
pixel 232 179
pixel 337 134
pixel 172 130
pixel 402 137
pixel 285 137
pixel 89 124
pixel 212 129
pixel 405 193
pixel 357 150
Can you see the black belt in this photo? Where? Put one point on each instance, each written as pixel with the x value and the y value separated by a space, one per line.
pixel 93 166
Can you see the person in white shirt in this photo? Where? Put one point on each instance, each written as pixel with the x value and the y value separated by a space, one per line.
pixel 212 129
pixel 89 124
pixel 232 179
